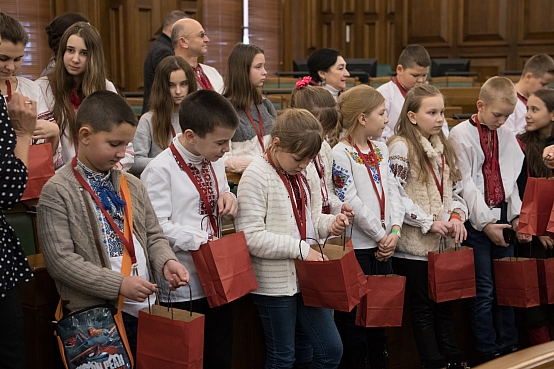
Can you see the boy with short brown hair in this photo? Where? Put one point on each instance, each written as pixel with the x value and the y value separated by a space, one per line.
pixel 490 166
pixel 537 74
pixel 84 254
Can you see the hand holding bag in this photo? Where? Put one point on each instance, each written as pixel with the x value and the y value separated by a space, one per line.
pixel 451 273
pixel 383 305
pixel 337 284
pixel 225 269
pixel 170 338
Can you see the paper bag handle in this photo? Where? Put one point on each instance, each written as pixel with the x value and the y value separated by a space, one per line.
pixel 343 235
pixel 218 220
pixel 313 239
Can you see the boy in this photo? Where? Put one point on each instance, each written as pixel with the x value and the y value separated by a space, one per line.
pixel 188 188
pixel 490 167
pixel 412 69
pixel 537 74
pixel 82 252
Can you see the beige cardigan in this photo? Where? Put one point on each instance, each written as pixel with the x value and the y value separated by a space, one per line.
pixel 265 216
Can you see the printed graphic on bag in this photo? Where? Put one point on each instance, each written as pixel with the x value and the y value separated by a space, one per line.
pixel 91 340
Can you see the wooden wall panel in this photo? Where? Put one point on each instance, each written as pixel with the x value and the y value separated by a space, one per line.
pixel 536 27
pixel 491 26
pixel 429 24
pixel 266 30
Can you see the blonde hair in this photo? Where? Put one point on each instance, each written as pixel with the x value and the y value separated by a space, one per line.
pixel 299 133
pixel 409 131
pixel 319 102
pixel 498 89
pixel 355 101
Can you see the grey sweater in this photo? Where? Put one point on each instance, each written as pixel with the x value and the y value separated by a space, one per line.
pixel 66 237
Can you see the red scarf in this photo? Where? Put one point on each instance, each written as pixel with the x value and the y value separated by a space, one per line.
pixel 201 78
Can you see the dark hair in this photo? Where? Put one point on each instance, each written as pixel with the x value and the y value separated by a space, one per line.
pixel 538 65
pixel 57 27
pixel 534 143
pixel 321 59
pixel 11 30
pixel 103 109
pixel 161 102
pixel 414 55
pixel 238 86
pixel 204 110
pixel 173 16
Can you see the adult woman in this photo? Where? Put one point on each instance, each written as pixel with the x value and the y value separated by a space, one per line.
pixel 328 69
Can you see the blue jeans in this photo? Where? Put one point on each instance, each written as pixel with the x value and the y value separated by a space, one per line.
pixel 493 325
pixel 279 316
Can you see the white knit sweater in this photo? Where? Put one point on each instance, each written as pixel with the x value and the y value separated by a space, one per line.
pixel 266 217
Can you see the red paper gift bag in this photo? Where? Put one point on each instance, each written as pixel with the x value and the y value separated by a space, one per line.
pixel 451 274
pixel 40 169
pixel 225 269
pixel 170 338
pixel 536 207
pixel 382 306
pixel 336 284
pixel 545 268
pixel 517 282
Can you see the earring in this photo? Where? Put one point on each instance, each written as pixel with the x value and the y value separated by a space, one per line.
pixel 323 82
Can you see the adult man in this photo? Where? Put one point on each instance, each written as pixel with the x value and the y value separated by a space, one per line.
pixel 160 48
pixel 191 42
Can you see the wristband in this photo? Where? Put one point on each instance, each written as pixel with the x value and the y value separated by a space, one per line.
pixel 396 232
pixel 455 216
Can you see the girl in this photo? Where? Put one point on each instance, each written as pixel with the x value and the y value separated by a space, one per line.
pixel 274 191
pixel 359 161
pixel 425 165
pixel 12 51
pixel 328 69
pixel 245 76
pixel 321 104
pixel 174 79
pixel 540 125
pixel 79 71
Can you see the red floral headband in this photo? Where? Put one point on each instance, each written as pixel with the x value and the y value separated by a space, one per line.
pixel 304 82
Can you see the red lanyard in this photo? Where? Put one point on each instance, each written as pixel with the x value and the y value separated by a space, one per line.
pixel 376 161
pixel 172 131
pixel 300 216
pixel 9 87
pixel 128 243
pixel 522 98
pixel 326 209
pixel 440 186
pixel 202 190
pixel 402 89
pixel 259 131
pixel 492 156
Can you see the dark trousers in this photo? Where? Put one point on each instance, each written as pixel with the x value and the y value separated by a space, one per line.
pixel 218 332
pixel 431 321
pixel 12 328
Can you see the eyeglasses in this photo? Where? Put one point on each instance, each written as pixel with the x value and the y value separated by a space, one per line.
pixel 202 34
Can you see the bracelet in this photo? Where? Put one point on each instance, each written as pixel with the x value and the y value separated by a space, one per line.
pixel 455 216
pixel 395 231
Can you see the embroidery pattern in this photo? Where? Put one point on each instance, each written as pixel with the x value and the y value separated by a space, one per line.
pixel 207 185
pixel 341 179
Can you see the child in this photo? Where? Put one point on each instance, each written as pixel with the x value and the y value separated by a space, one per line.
pixel 174 79
pixel 173 180
pixel 328 70
pixel 321 104
pixel 363 179
pixel 71 221
pixel 12 50
pixel 540 125
pixel 425 165
pixel 537 74
pixel 412 70
pixel 278 212
pixel 245 76
pixel 79 71
pixel 490 165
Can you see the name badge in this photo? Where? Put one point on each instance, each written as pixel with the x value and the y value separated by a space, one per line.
pixel 496 213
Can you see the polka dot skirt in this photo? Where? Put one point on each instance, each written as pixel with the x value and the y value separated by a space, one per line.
pixel 14 267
